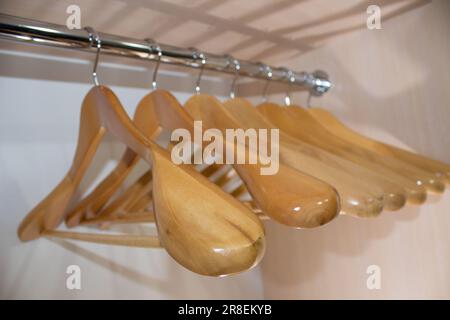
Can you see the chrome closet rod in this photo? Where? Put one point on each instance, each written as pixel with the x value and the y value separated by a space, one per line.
pixel 42 33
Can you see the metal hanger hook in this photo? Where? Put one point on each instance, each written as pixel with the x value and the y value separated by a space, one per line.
pixel 268 74
pixel 291 79
pixel 237 66
pixel 94 39
pixel 153 46
pixel 197 55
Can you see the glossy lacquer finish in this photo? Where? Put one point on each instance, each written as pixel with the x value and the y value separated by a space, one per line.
pixel 91 205
pixel 289 196
pixel 356 153
pixel 394 195
pixel 295 208
pixel 203 228
pixel 155 111
pixel 357 197
pixel 290 122
pixel 332 124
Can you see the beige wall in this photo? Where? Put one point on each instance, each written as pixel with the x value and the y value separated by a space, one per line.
pixel 392 84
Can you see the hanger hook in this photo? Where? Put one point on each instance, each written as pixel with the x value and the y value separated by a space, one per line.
pixel 237 66
pixel 268 74
pixel 197 55
pixel 94 39
pixel 153 46
pixel 291 79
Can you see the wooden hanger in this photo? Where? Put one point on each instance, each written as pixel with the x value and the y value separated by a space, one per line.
pixel 147 119
pixel 302 201
pixel 352 151
pixel 357 196
pixel 204 229
pixel 91 205
pixel 173 116
pixel 299 201
pixel 195 218
pixel 287 122
pixel 132 206
pixel 331 123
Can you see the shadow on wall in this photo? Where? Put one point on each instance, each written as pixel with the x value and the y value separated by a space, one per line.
pixel 392 72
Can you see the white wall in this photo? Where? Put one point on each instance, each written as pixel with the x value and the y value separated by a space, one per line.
pixel 38 132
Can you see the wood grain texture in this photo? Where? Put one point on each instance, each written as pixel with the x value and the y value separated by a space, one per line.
pixel 310 133
pixel 300 201
pixel 204 229
pixel 331 123
pixel 297 206
pixel 357 197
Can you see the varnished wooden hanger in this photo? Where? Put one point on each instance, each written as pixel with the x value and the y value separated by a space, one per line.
pixel 305 202
pixel 318 203
pixel 201 227
pixel 94 202
pixel 312 130
pixel 331 123
pixel 358 196
pixel 299 200
pixel 132 206
pixel 178 211
pixel 147 119
pixel 287 122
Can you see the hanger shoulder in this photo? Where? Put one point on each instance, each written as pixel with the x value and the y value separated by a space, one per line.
pixel 287 122
pixel 300 201
pixel 354 152
pixel 95 201
pixel 338 128
pixel 146 120
pixel 357 197
pixel 184 201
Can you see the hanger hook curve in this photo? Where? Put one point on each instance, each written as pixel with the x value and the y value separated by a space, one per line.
pixel 198 55
pixel 94 40
pixel 268 73
pixel 153 46
pixel 237 66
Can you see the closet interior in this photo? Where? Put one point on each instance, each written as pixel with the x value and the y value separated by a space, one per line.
pixel 325 169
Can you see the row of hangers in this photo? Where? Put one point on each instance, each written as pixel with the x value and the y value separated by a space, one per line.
pixel 325 169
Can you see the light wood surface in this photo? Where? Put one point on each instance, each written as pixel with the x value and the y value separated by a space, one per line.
pixel 138 197
pixel 318 205
pixel 355 153
pixel 357 197
pixel 300 200
pixel 94 202
pixel 416 194
pixel 394 196
pixel 332 124
pixel 200 226
pixel 148 118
